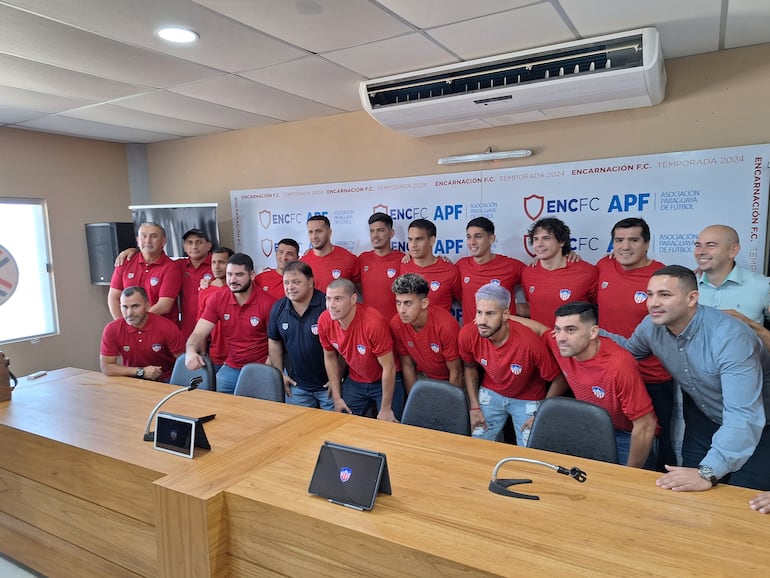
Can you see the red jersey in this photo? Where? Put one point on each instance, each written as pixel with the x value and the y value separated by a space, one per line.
pixel 432 346
pixel 217 345
pixel 243 327
pixel 159 342
pixel 188 298
pixel 621 297
pixel 501 270
pixel 339 264
pixel 610 380
pixel 271 282
pixel 546 290
pixel 163 278
pixel 377 276
pixel 518 368
pixel 443 281
pixel 366 338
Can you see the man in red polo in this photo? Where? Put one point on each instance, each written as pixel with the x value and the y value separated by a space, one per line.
pixel 380 266
pixel 219 258
pixel 241 314
pixel 271 280
pixel 328 261
pixel 194 268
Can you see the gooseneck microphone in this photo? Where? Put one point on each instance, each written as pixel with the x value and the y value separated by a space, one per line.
pixel 500 486
pixel 194 382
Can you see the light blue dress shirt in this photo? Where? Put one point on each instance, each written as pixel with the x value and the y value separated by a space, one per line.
pixel 718 361
pixel 745 291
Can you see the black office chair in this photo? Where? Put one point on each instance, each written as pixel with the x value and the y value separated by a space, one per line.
pixel 180 375
pixel 438 405
pixel 577 428
pixel 260 381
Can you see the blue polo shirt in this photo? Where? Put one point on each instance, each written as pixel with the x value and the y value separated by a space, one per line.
pixel 304 356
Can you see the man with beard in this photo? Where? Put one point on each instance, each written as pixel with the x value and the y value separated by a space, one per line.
pixel 147 344
pixel 328 261
pixel 242 315
pixel 293 341
pixel 516 366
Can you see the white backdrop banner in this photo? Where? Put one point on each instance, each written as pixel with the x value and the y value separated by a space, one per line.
pixel 678 194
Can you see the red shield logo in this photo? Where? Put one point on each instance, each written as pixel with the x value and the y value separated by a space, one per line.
pixel 380 209
pixel 527 248
pixel 267 247
pixel 533 206
pixel 265 217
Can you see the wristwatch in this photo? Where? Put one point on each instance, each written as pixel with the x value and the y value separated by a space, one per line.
pixel 707 473
pixel 140 373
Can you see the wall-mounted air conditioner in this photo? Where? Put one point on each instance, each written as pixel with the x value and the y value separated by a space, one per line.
pixel 611 72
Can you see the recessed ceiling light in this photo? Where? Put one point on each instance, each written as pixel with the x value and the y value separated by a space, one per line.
pixel 178 35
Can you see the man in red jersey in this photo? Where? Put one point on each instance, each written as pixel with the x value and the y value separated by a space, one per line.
pixel 328 261
pixel 554 280
pixel 425 336
pixel 158 275
pixel 601 372
pixel 621 296
pixel 147 344
pixel 195 268
pixel 217 345
pixel 442 277
pixel 483 266
pixel 271 280
pixel 516 366
pixel 361 336
pixel 380 266
pixel 241 315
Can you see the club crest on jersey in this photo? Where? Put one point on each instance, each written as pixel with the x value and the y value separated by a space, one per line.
pixel 130 275
pixel 483 362
pixel 515 369
pixel 227 316
pixel 156 347
pixel 208 276
pixel 335 345
pixel 314 329
pixel 434 347
pixel 531 288
pixel 154 281
pixel 366 268
pixel 284 326
pixel 126 348
pixel 495 281
pixel 598 392
pixel 640 297
pixel 434 285
pixel 254 321
pixel 391 273
pixel 336 273
pixel 410 343
pixel 564 294
pixel 605 284
pixel 345 474
pixel 361 349
pixel 466 280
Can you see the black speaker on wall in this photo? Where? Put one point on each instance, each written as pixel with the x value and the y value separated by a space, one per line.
pixel 105 241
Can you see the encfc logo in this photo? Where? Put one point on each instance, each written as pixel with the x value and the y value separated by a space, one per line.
pixel 265 217
pixel 533 206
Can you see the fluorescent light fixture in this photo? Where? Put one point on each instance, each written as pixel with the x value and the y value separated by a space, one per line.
pixel 487 155
pixel 177 35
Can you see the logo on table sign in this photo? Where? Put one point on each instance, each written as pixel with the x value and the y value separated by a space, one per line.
pixel 516 369
pixel 466 280
pixel 434 285
pixel 345 474
pixel 267 247
pixel 366 268
pixel 336 273
pixel 495 282
pixel 156 347
pixel 126 348
pixel 284 326
pixel 254 321
pixel 640 297
pixel 598 392
pixel 605 284
pixel 361 349
pixel 564 294
pixel 227 316
pixel 533 206
pixel 483 362
pixel 265 217
pixel 434 347
pixel 314 329
pixel 130 275
pixel 391 273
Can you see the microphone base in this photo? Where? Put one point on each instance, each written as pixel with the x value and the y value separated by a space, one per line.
pixel 149 436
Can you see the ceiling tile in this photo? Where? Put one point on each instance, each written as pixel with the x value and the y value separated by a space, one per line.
pixel 36 101
pixel 244 94
pixel 392 56
pixel 430 13
pixel 12 115
pixel 88 129
pixel 313 78
pixel 536 25
pixel 748 22
pixel 316 26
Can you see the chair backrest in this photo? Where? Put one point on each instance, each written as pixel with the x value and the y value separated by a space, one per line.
pixel 180 375
pixel 438 405
pixel 577 428
pixel 260 381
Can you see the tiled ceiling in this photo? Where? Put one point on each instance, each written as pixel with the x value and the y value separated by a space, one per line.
pixel 94 68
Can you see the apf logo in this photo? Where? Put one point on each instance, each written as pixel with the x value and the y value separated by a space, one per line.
pixel 380 209
pixel 267 247
pixel 265 217
pixel 533 206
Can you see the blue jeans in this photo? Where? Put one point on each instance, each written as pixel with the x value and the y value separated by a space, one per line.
pixel 496 409
pixel 227 377
pixel 623 441
pixel 307 398
pixel 361 396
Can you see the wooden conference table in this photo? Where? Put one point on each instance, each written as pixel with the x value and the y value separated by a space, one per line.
pixel 82 495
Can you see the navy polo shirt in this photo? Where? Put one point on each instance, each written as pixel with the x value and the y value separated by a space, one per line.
pixel 304 356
